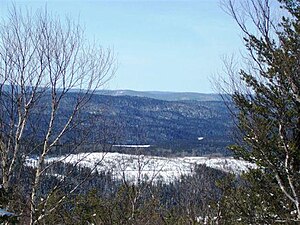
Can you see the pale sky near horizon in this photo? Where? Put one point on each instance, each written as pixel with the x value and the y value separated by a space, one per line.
pixel 159 45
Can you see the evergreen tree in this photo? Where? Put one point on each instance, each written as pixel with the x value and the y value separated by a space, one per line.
pixel 268 112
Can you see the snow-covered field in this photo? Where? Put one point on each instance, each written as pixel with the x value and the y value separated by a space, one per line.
pixel 154 168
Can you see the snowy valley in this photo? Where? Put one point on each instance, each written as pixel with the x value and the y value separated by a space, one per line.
pixel 134 168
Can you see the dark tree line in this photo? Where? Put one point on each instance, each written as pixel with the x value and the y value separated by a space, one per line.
pixel 103 200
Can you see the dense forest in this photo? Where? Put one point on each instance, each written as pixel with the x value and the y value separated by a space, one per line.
pixel 104 200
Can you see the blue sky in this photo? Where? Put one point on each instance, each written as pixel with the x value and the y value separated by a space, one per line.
pixel 159 45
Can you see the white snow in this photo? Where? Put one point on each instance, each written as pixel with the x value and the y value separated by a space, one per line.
pixel 152 168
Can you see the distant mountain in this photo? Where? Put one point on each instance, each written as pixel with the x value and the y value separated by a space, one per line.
pixel 191 126
pixel 185 124
pixel 161 95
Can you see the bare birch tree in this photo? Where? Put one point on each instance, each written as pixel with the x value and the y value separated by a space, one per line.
pixel 45 63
